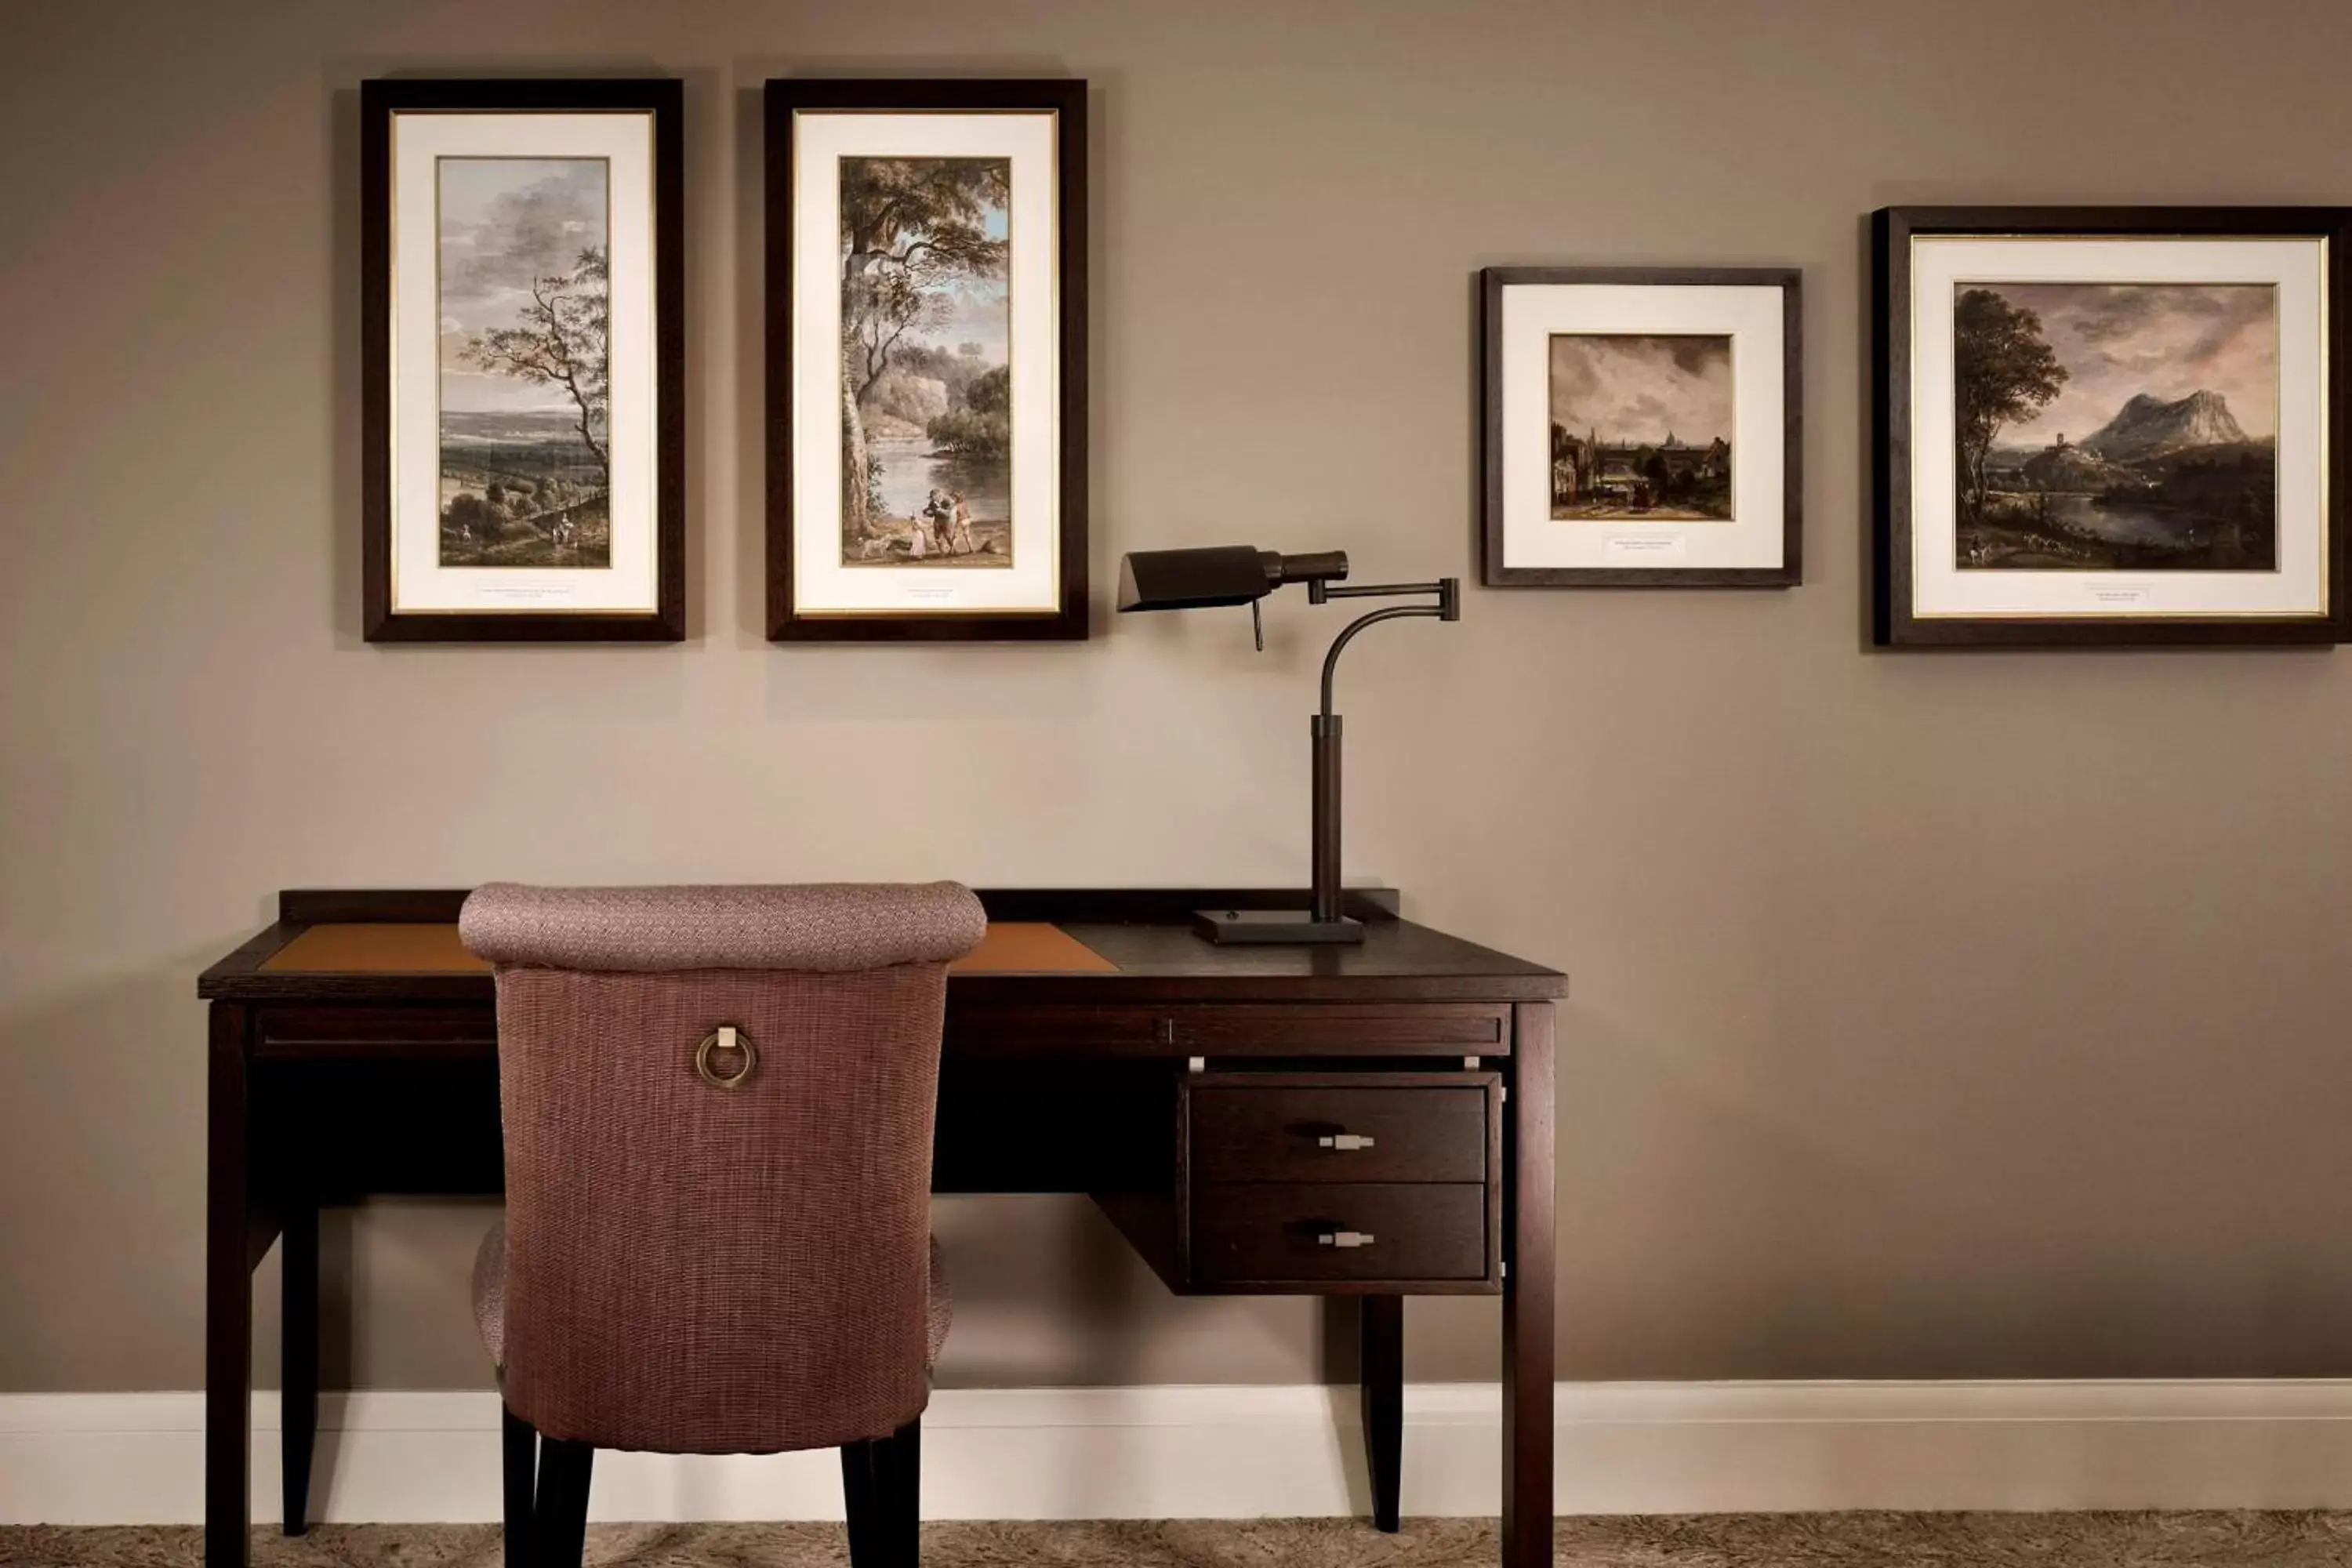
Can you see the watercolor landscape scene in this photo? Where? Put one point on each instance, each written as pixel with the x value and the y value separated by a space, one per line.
pixel 1641 427
pixel 2104 427
pixel 525 362
pixel 926 378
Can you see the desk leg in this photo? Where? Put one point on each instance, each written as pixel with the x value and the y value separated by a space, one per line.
pixel 297 1378
pixel 1381 1376
pixel 228 1294
pixel 1528 1291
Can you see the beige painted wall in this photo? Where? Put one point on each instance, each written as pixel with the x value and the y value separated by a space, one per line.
pixel 1977 1016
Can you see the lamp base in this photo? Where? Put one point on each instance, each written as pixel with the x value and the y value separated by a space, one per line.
pixel 1273 928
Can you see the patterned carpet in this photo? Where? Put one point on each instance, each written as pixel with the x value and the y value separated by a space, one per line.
pixel 1714 1540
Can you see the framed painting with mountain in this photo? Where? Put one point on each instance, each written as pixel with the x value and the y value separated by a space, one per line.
pixel 1643 428
pixel 2110 426
pixel 927 409
pixel 522 295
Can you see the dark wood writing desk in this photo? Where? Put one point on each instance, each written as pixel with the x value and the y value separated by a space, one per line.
pixel 1372 1121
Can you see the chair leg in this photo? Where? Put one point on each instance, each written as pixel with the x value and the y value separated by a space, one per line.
pixel 859 1504
pixel 560 1529
pixel 881 1483
pixel 899 1472
pixel 518 1467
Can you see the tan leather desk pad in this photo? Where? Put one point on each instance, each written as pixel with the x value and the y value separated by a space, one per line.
pixel 1027 947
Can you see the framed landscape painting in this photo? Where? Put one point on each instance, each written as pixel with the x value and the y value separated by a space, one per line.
pixel 927 410
pixel 1643 428
pixel 522 352
pixel 2110 426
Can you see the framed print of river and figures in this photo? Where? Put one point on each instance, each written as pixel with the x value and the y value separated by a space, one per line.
pixel 1643 428
pixel 2110 426
pixel 925 296
pixel 521 309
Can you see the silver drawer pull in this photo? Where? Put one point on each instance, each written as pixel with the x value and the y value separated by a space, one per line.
pixel 1343 1140
pixel 1345 1239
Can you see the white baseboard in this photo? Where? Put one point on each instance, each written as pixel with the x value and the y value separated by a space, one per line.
pixel 1243 1452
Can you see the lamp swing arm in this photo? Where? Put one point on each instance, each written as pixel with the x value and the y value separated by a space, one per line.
pixel 1327 901
pixel 1448 607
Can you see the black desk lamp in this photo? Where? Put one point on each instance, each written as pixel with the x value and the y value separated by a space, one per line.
pixel 1239 575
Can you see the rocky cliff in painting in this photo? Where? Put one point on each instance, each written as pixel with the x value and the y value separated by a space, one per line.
pixel 2148 427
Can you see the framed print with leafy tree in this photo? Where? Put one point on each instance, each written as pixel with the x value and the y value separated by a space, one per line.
pixel 1643 428
pixel 927 409
pixel 2110 426
pixel 522 352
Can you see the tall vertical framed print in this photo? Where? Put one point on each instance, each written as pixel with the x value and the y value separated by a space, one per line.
pixel 522 353
pixel 1643 428
pixel 927 405
pixel 2110 426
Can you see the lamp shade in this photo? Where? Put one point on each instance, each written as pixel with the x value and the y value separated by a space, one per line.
pixel 1196 579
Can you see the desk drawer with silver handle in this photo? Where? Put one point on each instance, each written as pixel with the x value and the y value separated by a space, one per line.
pixel 1269 1128
pixel 1305 1234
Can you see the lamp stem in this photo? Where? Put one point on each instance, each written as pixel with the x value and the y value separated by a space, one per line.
pixel 1324 727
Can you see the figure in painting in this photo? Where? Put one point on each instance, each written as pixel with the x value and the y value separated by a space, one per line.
pixel 949 513
pixel 940 513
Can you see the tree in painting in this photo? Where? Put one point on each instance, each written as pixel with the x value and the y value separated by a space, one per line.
pixel 926 377
pixel 983 427
pixel 2003 372
pixel 562 342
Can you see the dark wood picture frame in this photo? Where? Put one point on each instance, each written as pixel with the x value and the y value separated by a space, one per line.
pixel 1789 572
pixel 380 100
pixel 1893 621
pixel 1067 98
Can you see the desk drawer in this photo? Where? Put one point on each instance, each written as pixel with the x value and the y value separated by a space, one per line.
pixel 1230 1029
pixel 1426 1028
pixel 1280 1128
pixel 469 1032
pixel 1311 1234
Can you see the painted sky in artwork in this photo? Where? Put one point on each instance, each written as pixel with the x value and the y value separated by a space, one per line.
pixel 503 222
pixel 1636 390
pixel 2167 339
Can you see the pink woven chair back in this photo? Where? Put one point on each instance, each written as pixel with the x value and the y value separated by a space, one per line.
pixel 696 1268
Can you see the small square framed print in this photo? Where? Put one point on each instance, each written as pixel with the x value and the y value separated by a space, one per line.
pixel 2110 426
pixel 1643 428
pixel 522 297
pixel 927 372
